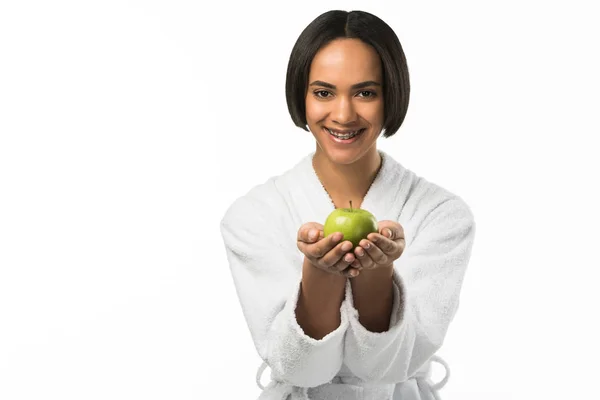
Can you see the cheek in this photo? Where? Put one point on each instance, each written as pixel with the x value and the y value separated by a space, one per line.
pixel 315 110
pixel 373 113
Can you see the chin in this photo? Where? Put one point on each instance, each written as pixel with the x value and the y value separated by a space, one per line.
pixel 342 156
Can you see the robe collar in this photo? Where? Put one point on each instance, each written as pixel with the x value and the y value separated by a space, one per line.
pixel 379 199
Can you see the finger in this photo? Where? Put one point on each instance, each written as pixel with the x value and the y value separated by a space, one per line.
pixel 376 254
pixel 310 232
pixel 394 232
pixel 339 258
pixel 350 272
pixel 363 257
pixel 303 234
pixel 306 245
pixel 391 229
pixel 386 245
pixel 356 264
pixel 309 235
pixel 324 247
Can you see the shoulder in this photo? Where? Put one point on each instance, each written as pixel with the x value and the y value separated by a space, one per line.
pixel 442 212
pixel 256 202
pixel 434 198
pixel 265 201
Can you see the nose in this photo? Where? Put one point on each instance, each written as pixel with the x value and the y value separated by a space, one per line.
pixel 343 112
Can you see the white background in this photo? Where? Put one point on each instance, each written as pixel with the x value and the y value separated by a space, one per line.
pixel 128 127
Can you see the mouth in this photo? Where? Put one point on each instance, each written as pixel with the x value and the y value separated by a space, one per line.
pixel 345 135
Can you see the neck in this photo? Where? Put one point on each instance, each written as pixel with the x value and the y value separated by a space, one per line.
pixel 347 181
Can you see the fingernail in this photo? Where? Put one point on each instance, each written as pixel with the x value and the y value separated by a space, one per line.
pixel 337 237
pixel 312 234
pixel 346 246
pixel 367 245
pixel 348 258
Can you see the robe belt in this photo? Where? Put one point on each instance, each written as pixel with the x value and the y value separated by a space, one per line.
pixel 278 390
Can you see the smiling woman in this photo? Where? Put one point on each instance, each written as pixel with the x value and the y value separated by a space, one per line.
pixel 333 319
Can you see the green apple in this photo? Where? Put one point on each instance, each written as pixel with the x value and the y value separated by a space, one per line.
pixel 354 223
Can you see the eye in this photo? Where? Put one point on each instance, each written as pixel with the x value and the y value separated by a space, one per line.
pixel 322 93
pixel 367 93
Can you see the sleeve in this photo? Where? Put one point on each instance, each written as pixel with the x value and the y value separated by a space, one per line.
pixel 266 269
pixel 427 282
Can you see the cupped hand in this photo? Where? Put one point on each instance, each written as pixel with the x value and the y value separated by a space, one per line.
pixel 381 249
pixel 329 253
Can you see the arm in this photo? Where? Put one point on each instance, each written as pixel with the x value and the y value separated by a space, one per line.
pixel 373 295
pixel 264 263
pixel 426 285
pixel 320 301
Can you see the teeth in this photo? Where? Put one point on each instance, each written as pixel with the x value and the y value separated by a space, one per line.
pixel 343 135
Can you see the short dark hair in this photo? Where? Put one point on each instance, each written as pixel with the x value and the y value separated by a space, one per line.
pixel 371 30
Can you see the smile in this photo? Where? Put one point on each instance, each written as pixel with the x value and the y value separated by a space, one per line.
pixel 344 135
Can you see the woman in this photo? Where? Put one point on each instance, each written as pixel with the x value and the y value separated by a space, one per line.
pixel 333 322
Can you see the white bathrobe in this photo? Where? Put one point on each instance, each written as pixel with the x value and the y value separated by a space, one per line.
pixel 260 230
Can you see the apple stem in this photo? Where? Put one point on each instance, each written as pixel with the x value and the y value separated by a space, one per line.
pixel 350 205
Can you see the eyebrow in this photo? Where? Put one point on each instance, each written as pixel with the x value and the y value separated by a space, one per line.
pixel 360 85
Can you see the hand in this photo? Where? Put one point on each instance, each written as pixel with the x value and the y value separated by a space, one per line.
pixel 329 253
pixel 380 249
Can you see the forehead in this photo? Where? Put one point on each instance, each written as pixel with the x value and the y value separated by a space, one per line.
pixel 346 61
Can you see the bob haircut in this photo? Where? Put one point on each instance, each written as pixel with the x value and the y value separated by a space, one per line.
pixel 371 30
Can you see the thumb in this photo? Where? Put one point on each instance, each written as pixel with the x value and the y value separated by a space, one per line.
pixel 316 232
pixel 391 229
pixel 387 232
